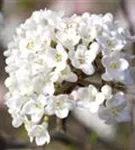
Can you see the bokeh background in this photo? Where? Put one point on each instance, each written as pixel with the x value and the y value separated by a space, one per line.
pixel 86 130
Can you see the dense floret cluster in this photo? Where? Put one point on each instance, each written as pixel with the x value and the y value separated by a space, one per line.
pixel 56 63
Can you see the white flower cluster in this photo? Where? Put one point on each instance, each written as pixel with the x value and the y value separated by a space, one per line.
pixel 48 62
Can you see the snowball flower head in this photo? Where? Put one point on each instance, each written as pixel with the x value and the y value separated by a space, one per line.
pixel 57 63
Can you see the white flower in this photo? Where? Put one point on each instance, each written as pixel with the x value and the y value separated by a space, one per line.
pixel 87 33
pixel 64 74
pixel 89 98
pixel 82 58
pixel 38 65
pixel 114 68
pixel 47 17
pixel 68 37
pixel 35 108
pixel 115 109
pixel 59 105
pixel 16 101
pixel 107 91
pixel 18 119
pixel 110 44
pixel 43 84
pixel 38 132
pixel 108 18
pixel 56 57
pixel 24 85
pixel 11 82
pixel 49 50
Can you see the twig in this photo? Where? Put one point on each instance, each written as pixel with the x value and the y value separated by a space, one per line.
pixel 61 124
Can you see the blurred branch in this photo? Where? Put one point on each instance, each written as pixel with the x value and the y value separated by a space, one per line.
pixel 127 12
pixel 63 137
pixel 66 138
pixel 10 144
pixel 2 59
pixel 1 4
pixel 60 124
pixel 61 134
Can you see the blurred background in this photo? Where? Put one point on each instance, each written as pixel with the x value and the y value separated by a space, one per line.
pixel 86 131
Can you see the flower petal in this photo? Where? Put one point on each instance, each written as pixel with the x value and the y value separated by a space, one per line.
pixel 41 140
pixel 123 64
pixel 88 69
pixel 62 113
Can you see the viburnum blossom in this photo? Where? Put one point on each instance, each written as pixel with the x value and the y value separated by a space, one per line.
pixel 90 98
pixel 115 109
pixel 59 105
pixel 56 63
pixel 82 58
pixel 115 68
pixel 37 132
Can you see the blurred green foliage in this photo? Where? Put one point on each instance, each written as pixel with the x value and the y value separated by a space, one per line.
pixel 26 4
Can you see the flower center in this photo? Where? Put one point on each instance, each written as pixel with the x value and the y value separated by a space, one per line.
pixel 58 105
pixel 40 62
pixel 81 60
pixel 58 57
pixel 109 43
pixel 30 44
pixel 64 72
pixel 114 111
pixel 113 65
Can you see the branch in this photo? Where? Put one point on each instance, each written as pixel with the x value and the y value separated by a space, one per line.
pixel 61 124
pixel 9 144
pixel 126 12
pixel 63 137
